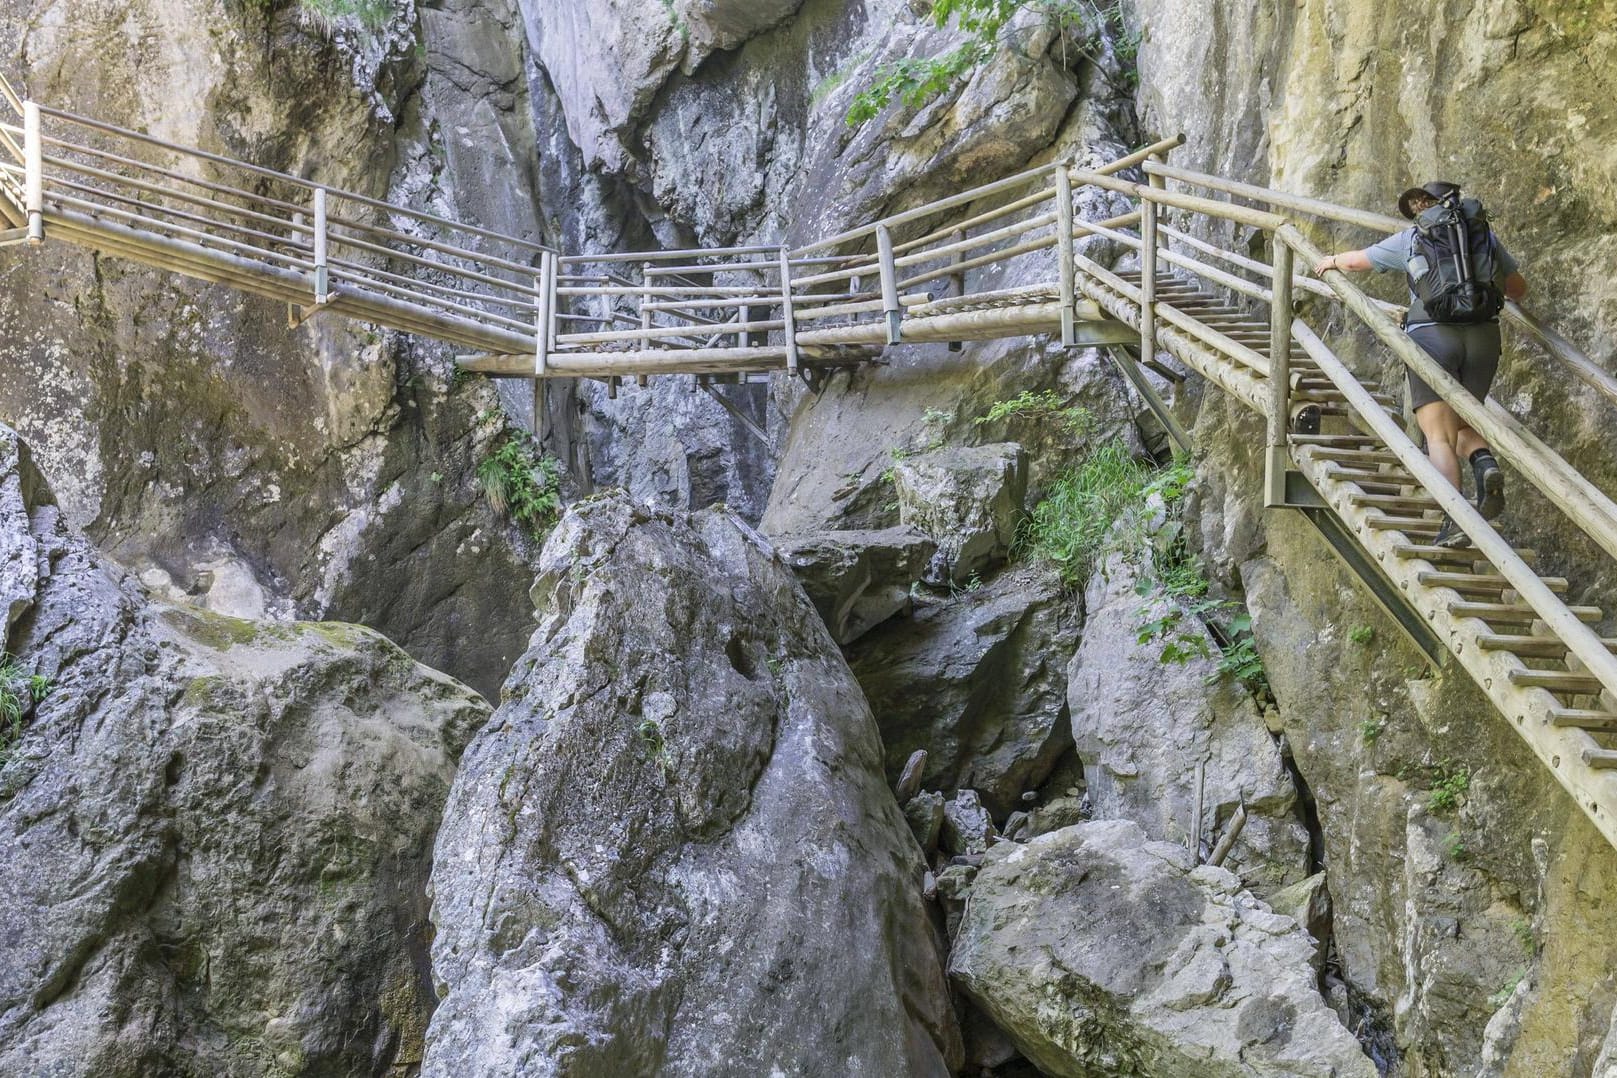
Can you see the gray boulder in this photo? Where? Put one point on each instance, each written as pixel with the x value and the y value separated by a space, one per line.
pixel 214 834
pixel 969 499
pixel 672 850
pixel 1102 952
pixel 1142 725
pixel 857 579
pixel 978 681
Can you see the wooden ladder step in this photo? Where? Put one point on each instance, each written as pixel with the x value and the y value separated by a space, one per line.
pixel 1394 501
pixel 1514 613
pixel 1557 681
pixel 1416 526
pixel 1583 718
pixel 1532 647
pixel 1364 456
pixel 1600 759
pixel 1487 582
pixel 1407 551
pixel 1335 439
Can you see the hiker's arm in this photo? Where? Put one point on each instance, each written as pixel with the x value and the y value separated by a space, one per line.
pixel 1347 262
pixel 1515 286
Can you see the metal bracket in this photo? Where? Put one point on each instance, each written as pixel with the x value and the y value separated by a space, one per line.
pixel 741 417
pixel 1392 601
pixel 1124 361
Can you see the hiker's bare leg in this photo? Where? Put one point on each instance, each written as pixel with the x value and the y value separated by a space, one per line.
pixel 1468 442
pixel 1442 427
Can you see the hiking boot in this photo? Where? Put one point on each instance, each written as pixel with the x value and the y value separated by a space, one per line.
pixel 1490 487
pixel 1451 537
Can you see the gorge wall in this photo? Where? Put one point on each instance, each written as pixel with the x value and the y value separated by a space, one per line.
pixel 235 468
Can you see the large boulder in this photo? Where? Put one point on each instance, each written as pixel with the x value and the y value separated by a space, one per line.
pixel 857 579
pixel 968 498
pixel 672 849
pixel 214 834
pixel 1142 726
pixel 979 682
pixel 1101 951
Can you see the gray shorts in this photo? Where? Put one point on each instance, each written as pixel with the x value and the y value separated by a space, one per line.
pixel 1470 353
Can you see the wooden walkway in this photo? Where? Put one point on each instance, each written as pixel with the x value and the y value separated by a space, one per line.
pixel 520 309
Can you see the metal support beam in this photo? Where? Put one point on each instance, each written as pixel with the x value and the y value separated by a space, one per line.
pixel 1277 455
pixel 1387 596
pixel 740 416
pixel 1159 408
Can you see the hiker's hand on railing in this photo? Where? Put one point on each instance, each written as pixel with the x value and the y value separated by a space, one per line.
pixel 1326 263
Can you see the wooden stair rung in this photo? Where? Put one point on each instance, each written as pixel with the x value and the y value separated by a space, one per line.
pixel 1514 613
pixel 1394 501
pixel 1451 555
pixel 1481 581
pixel 1376 456
pixel 1557 681
pixel 1335 439
pixel 1582 718
pixel 1600 759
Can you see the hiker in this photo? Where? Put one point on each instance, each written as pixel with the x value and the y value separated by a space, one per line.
pixel 1462 331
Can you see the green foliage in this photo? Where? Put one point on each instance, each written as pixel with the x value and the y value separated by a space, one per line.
pixel 1449 787
pixel 372 15
pixel 1522 929
pixel 651 736
pixel 1072 527
pixel 1456 848
pixel 915 81
pixel 1371 729
pixel 20 693
pixel 522 485
pixel 1361 634
pixel 1074 419
pixel 1507 990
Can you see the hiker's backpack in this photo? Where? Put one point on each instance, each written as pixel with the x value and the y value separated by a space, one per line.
pixel 1453 263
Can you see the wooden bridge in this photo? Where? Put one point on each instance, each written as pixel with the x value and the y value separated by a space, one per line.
pixel 523 310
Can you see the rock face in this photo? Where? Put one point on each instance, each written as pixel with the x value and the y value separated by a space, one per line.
pixel 979 682
pixel 1102 952
pixel 672 849
pixel 969 499
pixel 1141 727
pixel 215 832
pixel 858 579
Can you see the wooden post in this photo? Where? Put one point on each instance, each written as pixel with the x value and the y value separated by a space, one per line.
pixel 788 315
pixel 1148 279
pixel 33 172
pixel 322 273
pixel 1064 252
pixel 1276 457
pixel 544 289
pixel 958 280
pixel 889 285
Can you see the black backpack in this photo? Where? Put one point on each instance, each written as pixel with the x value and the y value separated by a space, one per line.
pixel 1453 268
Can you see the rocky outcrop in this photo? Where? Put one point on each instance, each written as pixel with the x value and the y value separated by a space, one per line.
pixel 216 832
pixel 858 579
pixel 672 849
pixel 1145 729
pixel 968 498
pixel 1102 952
pixel 978 681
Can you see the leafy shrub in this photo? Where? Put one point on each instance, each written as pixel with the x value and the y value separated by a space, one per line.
pixel 1072 527
pixel 1450 784
pixel 20 693
pixel 1048 405
pixel 522 485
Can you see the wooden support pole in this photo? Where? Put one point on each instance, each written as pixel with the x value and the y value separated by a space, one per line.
pixel 957 280
pixel 542 321
pixel 788 315
pixel 889 285
pixel 1064 252
pixel 322 271
pixel 34 172
pixel 1276 457
pixel 1148 279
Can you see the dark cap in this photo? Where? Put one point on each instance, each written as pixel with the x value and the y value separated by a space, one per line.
pixel 1438 189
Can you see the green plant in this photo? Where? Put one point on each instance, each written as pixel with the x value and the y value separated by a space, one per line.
pixel 20 693
pixel 371 15
pixel 1449 786
pixel 1072 526
pixel 1048 405
pixel 651 736
pixel 1361 634
pixel 917 80
pixel 1371 729
pixel 1507 990
pixel 1522 929
pixel 1457 851
pixel 522 485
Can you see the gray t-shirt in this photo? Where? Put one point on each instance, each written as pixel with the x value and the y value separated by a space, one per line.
pixel 1391 255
